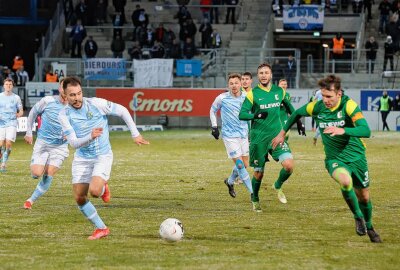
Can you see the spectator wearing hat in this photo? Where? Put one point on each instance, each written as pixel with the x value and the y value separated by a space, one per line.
pixel 389 52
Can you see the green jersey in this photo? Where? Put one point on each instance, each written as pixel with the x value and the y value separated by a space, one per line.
pixel 261 99
pixel 347 115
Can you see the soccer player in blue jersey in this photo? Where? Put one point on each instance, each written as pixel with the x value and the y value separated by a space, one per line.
pixel 234 131
pixel 51 148
pixel 10 109
pixel 85 125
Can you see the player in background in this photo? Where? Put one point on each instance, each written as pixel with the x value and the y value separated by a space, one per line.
pixel 51 148
pixel 342 124
pixel 247 81
pixel 234 132
pixel 85 125
pixel 262 106
pixel 317 97
pixel 10 109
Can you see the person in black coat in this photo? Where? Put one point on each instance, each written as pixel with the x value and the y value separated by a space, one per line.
pixel 90 47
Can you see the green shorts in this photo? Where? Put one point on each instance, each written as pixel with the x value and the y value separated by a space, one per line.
pixel 357 169
pixel 259 153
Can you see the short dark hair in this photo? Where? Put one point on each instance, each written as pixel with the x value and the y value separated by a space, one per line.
pixel 9 80
pixel 234 75
pixel 264 65
pixel 329 81
pixel 73 80
pixel 247 73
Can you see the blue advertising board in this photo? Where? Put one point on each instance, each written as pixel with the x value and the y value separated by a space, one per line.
pixel 370 98
pixel 188 68
pixel 303 17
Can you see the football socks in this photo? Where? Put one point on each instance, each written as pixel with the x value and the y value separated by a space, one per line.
pixel 366 209
pixel 283 176
pixel 256 188
pixel 89 211
pixel 41 187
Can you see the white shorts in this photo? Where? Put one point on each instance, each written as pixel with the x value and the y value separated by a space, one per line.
pixel 8 133
pixel 83 169
pixel 49 154
pixel 236 147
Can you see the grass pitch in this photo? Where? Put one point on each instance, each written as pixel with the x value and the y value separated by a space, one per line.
pixel 181 175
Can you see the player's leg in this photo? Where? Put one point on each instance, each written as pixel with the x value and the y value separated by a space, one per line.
pixel 11 135
pixel 283 154
pixel 100 176
pixel 361 186
pixel 341 174
pixel 257 161
pixel 317 134
pixel 232 150
pixel 2 145
pixel 81 178
pixel 243 174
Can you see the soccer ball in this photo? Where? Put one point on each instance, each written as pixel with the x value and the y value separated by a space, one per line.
pixel 171 230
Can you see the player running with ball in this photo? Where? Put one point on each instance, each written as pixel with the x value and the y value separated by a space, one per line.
pixel 342 124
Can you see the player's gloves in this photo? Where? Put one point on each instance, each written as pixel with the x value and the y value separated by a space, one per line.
pixel 215 132
pixel 301 129
pixel 261 115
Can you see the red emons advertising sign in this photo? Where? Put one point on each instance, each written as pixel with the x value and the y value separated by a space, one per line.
pixel 170 101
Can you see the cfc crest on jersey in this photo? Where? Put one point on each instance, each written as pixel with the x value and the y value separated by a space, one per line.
pixel 339 114
pixel 276 97
pixel 89 115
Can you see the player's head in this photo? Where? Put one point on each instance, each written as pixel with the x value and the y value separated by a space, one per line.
pixel 384 93
pixel 234 83
pixel 283 84
pixel 73 91
pixel 331 90
pixel 8 85
pixel 264 74
pixel 247 80
pixel 61 91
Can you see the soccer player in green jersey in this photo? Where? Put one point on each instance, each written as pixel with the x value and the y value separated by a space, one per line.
pixel 262 107
pixel 247 81
pixel 342 124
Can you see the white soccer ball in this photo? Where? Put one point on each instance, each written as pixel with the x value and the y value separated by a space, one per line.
pixel 171 230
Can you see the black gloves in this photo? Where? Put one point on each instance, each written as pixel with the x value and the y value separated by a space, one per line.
pixel 215 132
pixel 261 115
pixel 301 129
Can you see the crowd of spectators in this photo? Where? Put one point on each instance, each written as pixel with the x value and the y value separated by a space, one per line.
pixel 147 42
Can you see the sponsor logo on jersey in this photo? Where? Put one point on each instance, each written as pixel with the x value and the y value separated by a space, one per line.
pixel 332 124
pixel 270 105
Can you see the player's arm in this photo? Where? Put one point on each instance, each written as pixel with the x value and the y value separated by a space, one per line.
pixel 70 134
pixel 20 108
pixel 34 112
pixel 306 110
pixel 215 107
pixel 360 128
pixel 123 112
pixel 301 129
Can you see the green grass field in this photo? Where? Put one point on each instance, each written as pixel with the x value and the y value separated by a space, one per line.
pixel 181 175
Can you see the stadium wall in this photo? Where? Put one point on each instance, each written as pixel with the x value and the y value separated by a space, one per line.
pixel 190 107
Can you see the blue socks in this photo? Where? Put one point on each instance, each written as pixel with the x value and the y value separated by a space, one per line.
pixel 233 176
pixel 89 211
pixel 6 153
pixel 244 175
pixel 41 188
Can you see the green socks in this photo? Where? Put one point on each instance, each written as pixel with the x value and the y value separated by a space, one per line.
pixel 283 176
pixel 352 201
pixel 366 209
pixel 256 188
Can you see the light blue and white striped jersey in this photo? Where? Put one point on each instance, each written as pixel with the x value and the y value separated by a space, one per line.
pixel 229 106
pixel 50 131
pixel 9 106
pixel 92 114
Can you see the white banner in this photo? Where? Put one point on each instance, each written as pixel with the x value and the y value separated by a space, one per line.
pixel 153 73
pixel 105 69
pixel 59 69
pixel 36 90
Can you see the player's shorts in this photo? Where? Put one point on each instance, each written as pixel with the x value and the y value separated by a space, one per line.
pixel 259 154
pixel 8 133
pixel 358 170
pixel 83 169
pixel 50 154
pixel 236 147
